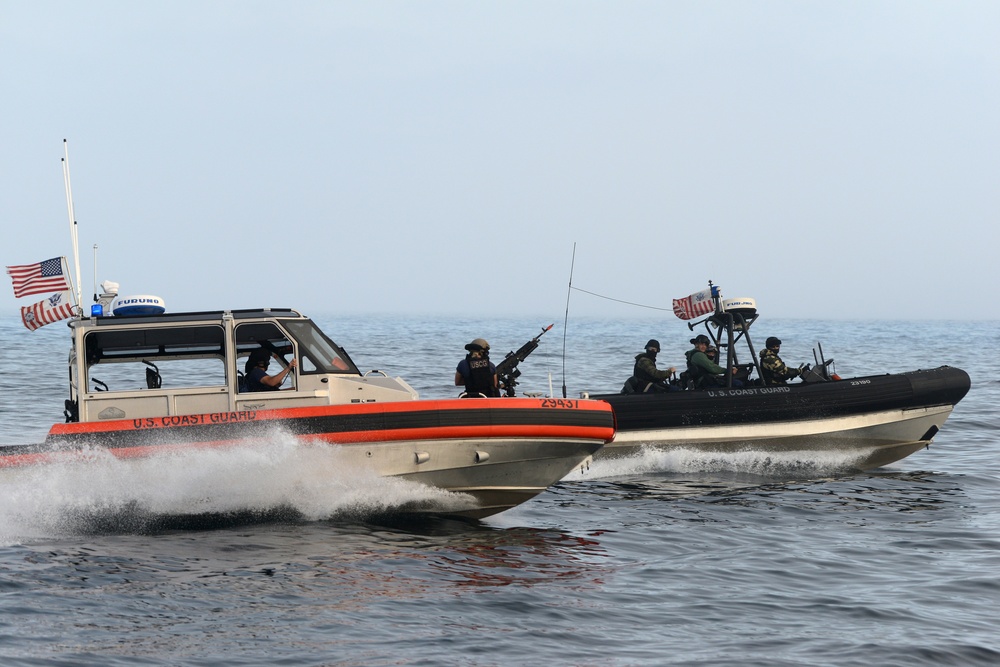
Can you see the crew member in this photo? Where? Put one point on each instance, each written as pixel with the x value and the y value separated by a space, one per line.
pixel 703 371
pixel 772 369
pixel 646 377
pixel 712 353
pixel 256 375
pixel 477 372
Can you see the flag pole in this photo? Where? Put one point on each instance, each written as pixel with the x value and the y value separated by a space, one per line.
pixel 73 233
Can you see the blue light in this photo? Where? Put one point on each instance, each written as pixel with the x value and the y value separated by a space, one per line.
pixel 97 310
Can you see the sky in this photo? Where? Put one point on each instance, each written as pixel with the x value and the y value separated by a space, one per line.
pixel 828 159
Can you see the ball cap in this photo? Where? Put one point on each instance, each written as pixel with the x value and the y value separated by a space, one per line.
pixel 772 342
pixel 653 343
pixel 700 338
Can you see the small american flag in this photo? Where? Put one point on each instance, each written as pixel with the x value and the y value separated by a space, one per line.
pixel 38 278
pixel 699 303
pixel 56 307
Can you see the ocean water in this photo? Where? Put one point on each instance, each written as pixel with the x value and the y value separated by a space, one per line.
pixel 679 559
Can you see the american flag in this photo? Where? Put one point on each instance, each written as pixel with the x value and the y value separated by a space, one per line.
pixel 56 307
pixel 38 278
pixel 699 303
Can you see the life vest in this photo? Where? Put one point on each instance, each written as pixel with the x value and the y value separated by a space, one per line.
pixel 699 376
pixel 480 377
pixel 640 373
pixel 694 372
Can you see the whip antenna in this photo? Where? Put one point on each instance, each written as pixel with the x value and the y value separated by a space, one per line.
pixel 566 320
pixel 74 234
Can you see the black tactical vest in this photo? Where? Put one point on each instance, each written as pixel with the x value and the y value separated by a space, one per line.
pixel 480 378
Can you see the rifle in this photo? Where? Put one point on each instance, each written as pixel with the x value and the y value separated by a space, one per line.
pixel 507 372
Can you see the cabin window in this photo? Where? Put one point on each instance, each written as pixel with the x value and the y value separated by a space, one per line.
pixel 252 336
pixel 153 358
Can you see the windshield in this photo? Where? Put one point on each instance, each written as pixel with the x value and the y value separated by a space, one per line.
pixel 319 353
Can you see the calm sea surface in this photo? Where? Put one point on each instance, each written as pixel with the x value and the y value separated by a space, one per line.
pixel 658 560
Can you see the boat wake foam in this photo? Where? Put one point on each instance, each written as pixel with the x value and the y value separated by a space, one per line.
pixel 770 464
pixel 281 479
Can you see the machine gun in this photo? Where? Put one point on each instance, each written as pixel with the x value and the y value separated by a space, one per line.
pixel 507 372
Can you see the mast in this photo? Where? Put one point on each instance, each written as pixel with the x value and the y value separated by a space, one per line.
pixel 73 232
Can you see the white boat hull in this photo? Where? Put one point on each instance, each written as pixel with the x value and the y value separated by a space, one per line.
pixel 878 438
pixel 497 474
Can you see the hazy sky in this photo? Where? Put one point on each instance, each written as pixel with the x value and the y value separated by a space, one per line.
pixel 837 159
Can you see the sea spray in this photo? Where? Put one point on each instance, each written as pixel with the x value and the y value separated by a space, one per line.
pixel 276 479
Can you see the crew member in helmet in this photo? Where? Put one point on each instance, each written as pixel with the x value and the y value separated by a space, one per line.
pixel 772 369
pixel 256 375
pixel 646 377
pixel 477 372
pixel 704 372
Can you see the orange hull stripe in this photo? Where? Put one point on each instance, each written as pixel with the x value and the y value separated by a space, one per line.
pixel 415 407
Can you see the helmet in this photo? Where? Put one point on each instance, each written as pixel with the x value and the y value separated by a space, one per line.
pixel 772 342
pixel 653 343
pixel 700 338
pixel 478 344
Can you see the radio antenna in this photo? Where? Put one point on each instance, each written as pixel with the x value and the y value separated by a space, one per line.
pixel 95 273
pixel 566 319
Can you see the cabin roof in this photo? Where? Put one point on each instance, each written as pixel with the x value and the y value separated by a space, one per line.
pixel 196 316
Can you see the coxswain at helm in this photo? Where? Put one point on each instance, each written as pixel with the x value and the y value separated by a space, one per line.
pixel 256 375
pixel 476 372
pixel 772 369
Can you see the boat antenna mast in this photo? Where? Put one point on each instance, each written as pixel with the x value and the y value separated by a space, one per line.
pixel 73 231
pixel 566 319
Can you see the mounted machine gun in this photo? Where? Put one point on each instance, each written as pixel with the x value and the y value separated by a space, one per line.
pixel 507 372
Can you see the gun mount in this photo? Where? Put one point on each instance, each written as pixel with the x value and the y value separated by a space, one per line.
pixel 507 371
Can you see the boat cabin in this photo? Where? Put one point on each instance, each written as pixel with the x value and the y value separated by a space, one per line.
pixel 157 365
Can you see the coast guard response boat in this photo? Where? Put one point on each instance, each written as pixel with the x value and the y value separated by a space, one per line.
pixel 144 381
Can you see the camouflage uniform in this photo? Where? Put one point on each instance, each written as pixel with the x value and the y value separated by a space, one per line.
pixel 774 370
pixel 645 369
pixel 646 377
